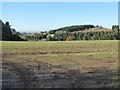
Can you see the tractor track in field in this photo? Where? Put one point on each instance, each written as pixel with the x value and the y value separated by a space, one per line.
pixel 17 76
pixel 22 77
pixel 44 53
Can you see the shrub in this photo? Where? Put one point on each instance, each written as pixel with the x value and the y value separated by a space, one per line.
pixel 69 38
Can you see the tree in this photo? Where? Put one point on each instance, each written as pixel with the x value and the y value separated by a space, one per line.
pixel 7 34
pixel 49 38
pixel 69 38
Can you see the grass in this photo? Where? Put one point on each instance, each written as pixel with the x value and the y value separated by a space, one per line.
pixel 82 46
pixel 100 58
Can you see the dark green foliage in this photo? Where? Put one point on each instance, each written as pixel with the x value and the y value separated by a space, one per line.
pixel 116 30
pixel 62 34
pixel 7 33
pixel 82 35
pixel 52 31
pixel 98 35
pixel 101 35
pixel 50 38
pixel 34 36
pixel 72 28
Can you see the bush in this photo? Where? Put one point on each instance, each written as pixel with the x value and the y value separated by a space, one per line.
pixel 69 38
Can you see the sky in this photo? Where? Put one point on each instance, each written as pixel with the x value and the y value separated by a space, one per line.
pixel 45 16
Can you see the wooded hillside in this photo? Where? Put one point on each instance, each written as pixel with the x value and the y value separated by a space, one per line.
pixel 69 33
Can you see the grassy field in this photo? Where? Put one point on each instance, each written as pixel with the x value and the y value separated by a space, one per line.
pixel 60 64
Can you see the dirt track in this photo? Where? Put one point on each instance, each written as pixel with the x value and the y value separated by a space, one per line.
pixel 16 75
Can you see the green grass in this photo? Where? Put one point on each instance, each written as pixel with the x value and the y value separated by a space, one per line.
pixel 62 51
pixel 72 46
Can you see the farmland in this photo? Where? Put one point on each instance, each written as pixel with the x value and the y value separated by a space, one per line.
pixel 60 64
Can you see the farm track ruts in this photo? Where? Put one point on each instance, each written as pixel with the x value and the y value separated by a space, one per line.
pixel 25 75
pixel 57 79
pixel 44 53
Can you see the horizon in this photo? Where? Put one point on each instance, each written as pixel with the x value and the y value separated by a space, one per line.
pixel 38 16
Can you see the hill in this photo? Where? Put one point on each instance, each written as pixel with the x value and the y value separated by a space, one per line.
pixel 73 28
pixel 75 32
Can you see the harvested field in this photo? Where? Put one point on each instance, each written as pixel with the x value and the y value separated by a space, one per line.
pixel 55 64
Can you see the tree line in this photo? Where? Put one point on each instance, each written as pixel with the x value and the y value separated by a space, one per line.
pixel 76 32
pixel 63 35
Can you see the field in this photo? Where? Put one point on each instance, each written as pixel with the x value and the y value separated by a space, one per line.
pixel 60 64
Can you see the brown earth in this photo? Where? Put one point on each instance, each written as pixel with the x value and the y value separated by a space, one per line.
pixel 17 75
